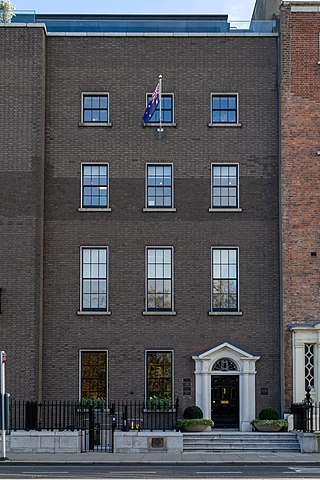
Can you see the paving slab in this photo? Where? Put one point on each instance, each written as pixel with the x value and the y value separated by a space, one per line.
pixel 167 458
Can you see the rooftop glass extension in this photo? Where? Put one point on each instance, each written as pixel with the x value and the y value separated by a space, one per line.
pixel 143 23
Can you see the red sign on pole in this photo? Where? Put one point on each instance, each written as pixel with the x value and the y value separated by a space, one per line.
pixel 4 358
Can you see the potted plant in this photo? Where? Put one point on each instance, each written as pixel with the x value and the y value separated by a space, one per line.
pixel 6 11
pixel 96 403
pixel 159 403
pixel 269 421
pixel 193 420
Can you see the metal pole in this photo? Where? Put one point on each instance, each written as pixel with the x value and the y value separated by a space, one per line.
pixel 3 359
pixel 160 129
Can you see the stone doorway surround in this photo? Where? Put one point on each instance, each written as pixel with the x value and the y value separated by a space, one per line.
pixel 246 370
pixel 305 334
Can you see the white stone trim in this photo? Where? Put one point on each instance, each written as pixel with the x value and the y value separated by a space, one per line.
pixel 301 335
pixel 247 371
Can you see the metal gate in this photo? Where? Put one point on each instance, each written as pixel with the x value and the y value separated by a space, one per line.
pixel 98 430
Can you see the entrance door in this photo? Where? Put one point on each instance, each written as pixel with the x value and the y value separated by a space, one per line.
pixel 225 401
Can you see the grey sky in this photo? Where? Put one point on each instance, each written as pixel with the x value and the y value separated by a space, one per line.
pixel 236 9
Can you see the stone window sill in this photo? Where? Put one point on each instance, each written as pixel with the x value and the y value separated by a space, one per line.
pixel 159 313
pixel 94 209
pixel 224 313
pixel 159 209
pixel 225 210
pixel 224 125
pixel 158 125
pixel 93 124
pixel 93 313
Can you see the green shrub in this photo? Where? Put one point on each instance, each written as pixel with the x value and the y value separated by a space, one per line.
pixel 159 403
pixel 269 414
pixel 193 412
pixel 99 403
pixel 191 422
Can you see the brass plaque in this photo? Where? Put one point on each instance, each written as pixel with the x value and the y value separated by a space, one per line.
pixel 224 402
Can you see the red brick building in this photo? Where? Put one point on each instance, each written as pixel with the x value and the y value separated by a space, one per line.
pixel 300 196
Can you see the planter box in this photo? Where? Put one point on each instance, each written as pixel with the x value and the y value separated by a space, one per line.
pixel 267 428
pixel 197 428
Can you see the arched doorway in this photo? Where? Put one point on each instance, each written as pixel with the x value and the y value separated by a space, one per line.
pixel 225 394
pixel 226 373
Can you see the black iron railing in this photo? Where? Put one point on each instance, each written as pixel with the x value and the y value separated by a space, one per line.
pixel 306 414
pixel 73 415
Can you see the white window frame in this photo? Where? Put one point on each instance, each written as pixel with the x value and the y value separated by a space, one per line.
pixel 146 370
pixel 159 312
pixel 94 312
pixel 94 209
pixel 104 350
pixel 164 124
pixel 159 209
pixel 94 124
pixel 226 209
pixel 225 312
pixel 224 94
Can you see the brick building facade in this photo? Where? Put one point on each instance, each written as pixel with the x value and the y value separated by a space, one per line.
pixel 188 329
pixel 300 196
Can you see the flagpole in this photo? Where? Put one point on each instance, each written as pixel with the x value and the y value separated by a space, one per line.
pixel 160 129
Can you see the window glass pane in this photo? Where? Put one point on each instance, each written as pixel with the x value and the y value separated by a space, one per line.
pixel 159 286
pixel 102 286
pixel 87 102
pixel 86 255
pixel 151 170
pixel 87 116
pixel 167 116
pixel 233 256
pixel 103 116
pixel 232 117
pixel 167 271
pixel 159 171
pixel 159 256
pixel 223 116
pixel 166 102
pixel 95 115
pixel 232 103
pixel 224 103
pixel 215 116
pixel 151 255
pixel 224 256
pixel 95 102
pixel 159 271
pixel 167 171
pixel 151 271
pixel 103 102
pixel 216 256
pixel 216 102
pixel 167 255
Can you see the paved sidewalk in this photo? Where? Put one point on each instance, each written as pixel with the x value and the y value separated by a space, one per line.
pixel 167 458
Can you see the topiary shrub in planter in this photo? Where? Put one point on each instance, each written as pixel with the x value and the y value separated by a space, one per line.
pixel 269 421
pixel 193 420
pixel 195 424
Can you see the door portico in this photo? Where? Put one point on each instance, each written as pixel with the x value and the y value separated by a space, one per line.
pixel 244 366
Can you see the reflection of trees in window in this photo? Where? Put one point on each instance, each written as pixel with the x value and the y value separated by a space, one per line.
pixel 93 374
pixel 224 279
pixel 159 374
pixel 159 278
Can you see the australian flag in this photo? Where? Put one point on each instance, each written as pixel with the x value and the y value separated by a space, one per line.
pixel 152 105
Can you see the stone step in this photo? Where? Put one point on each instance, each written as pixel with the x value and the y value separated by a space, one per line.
pixel 240 441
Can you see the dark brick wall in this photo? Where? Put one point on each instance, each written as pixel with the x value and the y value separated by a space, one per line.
pixel 22 120
pixel 300 195
pixel 192 68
